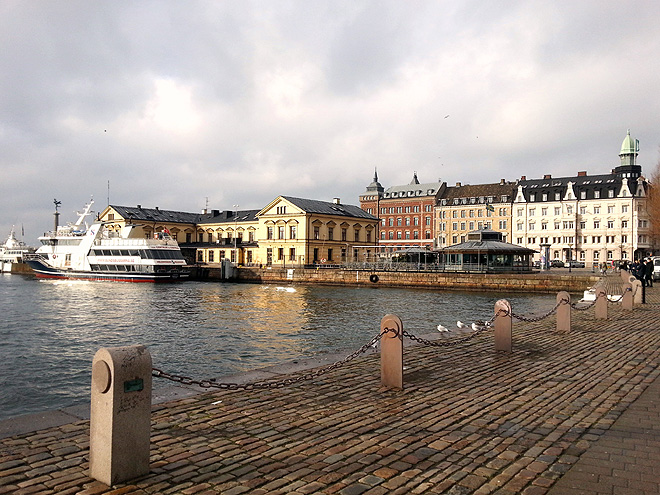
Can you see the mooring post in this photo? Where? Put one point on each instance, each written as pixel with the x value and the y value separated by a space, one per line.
pixel 503 326
pixel 600 308
pixel 627 299
pixel 120 420
pixel 563 312
pixel 637 291
pixel 391 352
pixel 625 275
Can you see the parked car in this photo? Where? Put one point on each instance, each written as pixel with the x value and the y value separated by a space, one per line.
pixel 536 264
pixel 557 264
pixel 575 264
pixel 656 267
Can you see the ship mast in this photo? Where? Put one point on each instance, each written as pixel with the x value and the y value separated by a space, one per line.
pixel 57 214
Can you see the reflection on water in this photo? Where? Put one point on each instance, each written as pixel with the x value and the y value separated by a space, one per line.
pixel 52 329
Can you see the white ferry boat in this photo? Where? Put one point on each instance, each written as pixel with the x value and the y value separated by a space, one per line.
pixel 79 251
pixel 12 251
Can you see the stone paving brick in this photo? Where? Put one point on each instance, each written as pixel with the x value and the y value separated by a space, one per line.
pixel 559 407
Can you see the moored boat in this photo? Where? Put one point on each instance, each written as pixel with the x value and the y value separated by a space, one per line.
pixel 12 251
pixel 92 252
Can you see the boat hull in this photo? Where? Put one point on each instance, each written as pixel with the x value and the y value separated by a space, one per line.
pixel 42 270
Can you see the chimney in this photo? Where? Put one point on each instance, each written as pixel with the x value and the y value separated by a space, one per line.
pixel 547 176
pixel 156 208
pixel 458 184
pixel 582 174
pixel 336 201
pixel 523 177
pixel 502 182
pixel 139 207
pixel 204 211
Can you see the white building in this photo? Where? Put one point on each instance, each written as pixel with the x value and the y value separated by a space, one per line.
pixel 590 218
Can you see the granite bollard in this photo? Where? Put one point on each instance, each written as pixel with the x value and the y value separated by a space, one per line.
pixel 120 420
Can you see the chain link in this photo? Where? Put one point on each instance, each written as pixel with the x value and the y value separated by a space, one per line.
pixel 270 384
pixel 534 319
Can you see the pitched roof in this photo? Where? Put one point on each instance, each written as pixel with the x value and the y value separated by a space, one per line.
pixel 137 213
pixel 327 208
pixel 156 214
pixel 479 190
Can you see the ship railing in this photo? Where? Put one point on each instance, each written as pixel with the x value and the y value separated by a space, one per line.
pixel 119 241
pixel 34 257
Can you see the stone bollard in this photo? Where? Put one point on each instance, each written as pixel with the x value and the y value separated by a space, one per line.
pixel 391 352
pixel 625 275
pixel 563 312
pixel 503 326
pixel 627 299
pixel 638 292
pixel 120 420
pixel 600 308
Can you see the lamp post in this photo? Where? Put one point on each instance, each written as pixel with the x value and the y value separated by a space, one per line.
pixel 235 233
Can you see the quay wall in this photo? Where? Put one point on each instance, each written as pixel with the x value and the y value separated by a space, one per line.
pixel 538 282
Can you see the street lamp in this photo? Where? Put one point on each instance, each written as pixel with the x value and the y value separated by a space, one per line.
pixel 235 233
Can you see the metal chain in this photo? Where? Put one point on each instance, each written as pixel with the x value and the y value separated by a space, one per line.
pixel 269 384
pixel 449 343
pixel 534 319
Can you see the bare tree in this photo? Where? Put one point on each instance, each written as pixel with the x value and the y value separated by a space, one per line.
pixel 653 204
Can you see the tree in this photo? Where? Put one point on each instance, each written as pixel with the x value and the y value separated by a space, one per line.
pixel 653 204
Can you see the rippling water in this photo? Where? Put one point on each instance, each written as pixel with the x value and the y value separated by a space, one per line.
pixel 50 330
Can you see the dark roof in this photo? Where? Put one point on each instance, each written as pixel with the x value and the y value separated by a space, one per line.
pixel 230 216
pixel 137 213
pixel 327 208
pixel 156 214
pixel 487 246
pixel 587 183
pixel 496 190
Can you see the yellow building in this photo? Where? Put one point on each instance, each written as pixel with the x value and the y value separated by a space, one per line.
pixel 306 231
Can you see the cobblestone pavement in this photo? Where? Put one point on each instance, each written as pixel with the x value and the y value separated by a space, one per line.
pixel 547 418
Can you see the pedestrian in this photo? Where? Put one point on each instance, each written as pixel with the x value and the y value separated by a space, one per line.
pixel 648 272
pixel 603 269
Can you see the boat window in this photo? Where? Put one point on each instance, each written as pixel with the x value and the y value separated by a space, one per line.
pixel 115 252
pixel 134 252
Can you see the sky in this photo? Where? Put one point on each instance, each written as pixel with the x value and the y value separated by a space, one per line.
pixel 189 104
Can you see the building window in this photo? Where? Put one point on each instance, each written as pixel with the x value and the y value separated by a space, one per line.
pixel 251 236
pixel 343 235
pixel 583 194
pixel 557 210
pixel 610 193
pixel 331 233
pixel 249 256
pixel 211 254
pixel 292 231
pixel 281 210
pixel 280 254
pixel 357 234
pixel 317 233
pixel 292 254
pixel 269 233
pixel 280 232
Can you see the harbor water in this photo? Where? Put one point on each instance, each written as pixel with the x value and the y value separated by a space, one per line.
pixel 50 330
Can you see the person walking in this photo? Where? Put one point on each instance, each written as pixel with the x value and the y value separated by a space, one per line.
pixel 648 272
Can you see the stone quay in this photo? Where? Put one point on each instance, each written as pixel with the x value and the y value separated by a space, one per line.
pixel 562 413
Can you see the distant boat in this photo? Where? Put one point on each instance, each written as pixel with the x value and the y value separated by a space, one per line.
pixel 78 251
pixel 12 251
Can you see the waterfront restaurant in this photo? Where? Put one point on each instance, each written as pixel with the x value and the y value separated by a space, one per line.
pixel 484 251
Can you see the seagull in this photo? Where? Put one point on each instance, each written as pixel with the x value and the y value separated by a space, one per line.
pixel 475 327
pixel 460 324
pixel 442 329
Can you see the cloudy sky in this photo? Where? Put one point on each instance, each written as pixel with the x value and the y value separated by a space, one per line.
pixel 179 103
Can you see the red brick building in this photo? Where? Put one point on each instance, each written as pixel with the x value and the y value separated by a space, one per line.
pixel 405 212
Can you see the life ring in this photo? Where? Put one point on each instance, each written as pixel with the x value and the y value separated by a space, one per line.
pixel 54 256
pixel 373 278
pixel 323 260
